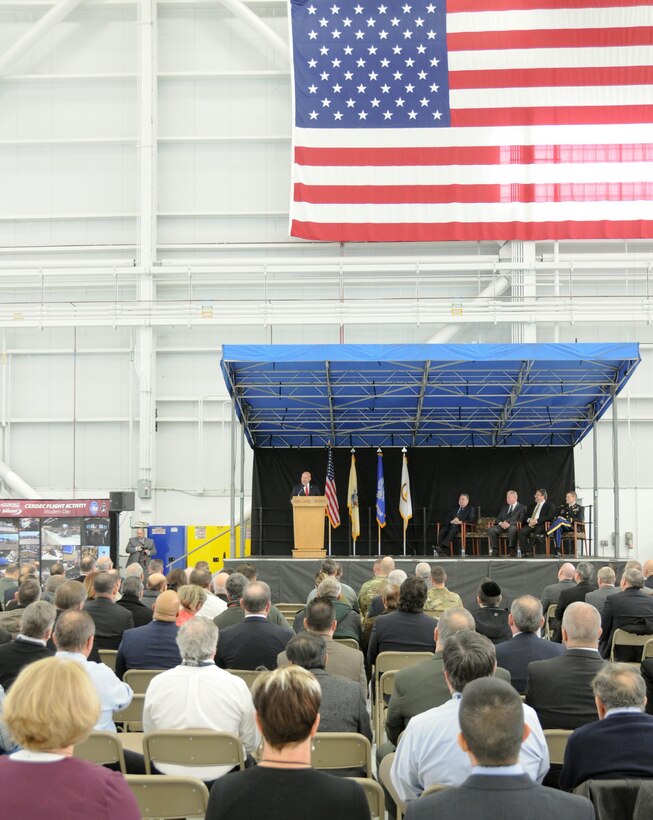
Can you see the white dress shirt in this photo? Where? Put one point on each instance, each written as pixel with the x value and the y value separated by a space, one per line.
pixel 428 751
pixel 200 697
pixel 212 607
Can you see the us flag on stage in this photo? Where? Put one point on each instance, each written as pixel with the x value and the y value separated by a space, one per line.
pixel 332 509
pixel 472 119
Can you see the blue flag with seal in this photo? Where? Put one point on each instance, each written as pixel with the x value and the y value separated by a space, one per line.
pixel 380 490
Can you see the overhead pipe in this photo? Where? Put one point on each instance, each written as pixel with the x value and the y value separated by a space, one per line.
pixel 495 288
pixel 16 483
pixel 240 10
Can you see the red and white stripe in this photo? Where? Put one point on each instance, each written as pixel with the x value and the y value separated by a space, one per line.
pixel 551 136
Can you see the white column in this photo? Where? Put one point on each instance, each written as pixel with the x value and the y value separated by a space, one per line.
pixel 523 288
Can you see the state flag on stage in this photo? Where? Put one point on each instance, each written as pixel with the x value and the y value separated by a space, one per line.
pixel 421 121
pixel 380 490
pixel 405 503
pixel 332 509
pixel 352 500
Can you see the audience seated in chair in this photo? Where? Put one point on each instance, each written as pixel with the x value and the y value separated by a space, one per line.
pixel 348 620
pixel 493 731
pixel 605 578
pixel 334 569
pixel 27 593
pixel 630 610
pixel 110 620
pixel 618 744
pixel 199 695
pixel 583 575
pixel 52 706
pixel 284 786
pixel 389 600
pixel 153 646
pixel 213 605
pixel 382 568
pixel 30 644
pixel 439 598
pixel 236 585
pixel 377 604
pixel 490 618
pixel 132 594
pixel 156 584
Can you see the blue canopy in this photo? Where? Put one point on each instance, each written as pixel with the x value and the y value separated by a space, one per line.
pixel 474 395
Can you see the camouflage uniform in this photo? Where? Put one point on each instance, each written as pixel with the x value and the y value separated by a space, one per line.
pixel 440 599
pixel 374 586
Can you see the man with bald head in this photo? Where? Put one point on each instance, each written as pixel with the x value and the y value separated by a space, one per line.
pixel 560 689
pixel 156 584
pixel 551 593
pixel 382 567
pixel 153 646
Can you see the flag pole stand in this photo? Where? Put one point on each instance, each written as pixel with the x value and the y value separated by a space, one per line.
pixel 354 547
pixel 330 528
pixel 378 526
pixel 404 540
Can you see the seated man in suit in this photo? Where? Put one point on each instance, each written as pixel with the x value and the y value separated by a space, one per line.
pixel 569 512
pixel 132 600
pixel 348 620
pixel 491 619
pixel 583 575
pixel 533 531
pixel 631 610
pixel 428 751
pixel 492 733
pixel 153 646
pixel 31 642
pixel 27 593
pixel 618 744
pixel 254 642
pixel 305 486
pixel 511 514
pixel 560 689
pixel 110 620
pixel 460 514
pixel 605 577
pixel 525 621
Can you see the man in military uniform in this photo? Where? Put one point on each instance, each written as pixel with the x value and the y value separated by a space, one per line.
pixel 569 512
pixel 440 598
pixel 376 585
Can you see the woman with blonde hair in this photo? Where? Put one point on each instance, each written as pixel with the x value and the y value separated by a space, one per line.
pixel 51 706
pixel 191 598
pixel 284 786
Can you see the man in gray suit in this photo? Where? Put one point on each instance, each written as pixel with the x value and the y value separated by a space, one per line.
pixel 511 514
pixel 140 548
pixel 343 707
pixel 606 577
pixel 492 731
pixel 341 660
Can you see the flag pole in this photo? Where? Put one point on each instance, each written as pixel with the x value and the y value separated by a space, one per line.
pixel 404 451
pixel 330 528
pixel 378 526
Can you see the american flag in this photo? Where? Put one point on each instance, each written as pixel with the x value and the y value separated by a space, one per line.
pixel 332 510
pixel 472 119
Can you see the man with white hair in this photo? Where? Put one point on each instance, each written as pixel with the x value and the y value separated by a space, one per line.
pixel 200 695
pixel 605 577
pixel 104 564
pixel 31 642
pixel 134 571
pixel 349 622
pixel 132 595
pixel 423 572
pixel 331 567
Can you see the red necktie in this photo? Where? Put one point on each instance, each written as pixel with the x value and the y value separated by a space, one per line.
pixel 305 489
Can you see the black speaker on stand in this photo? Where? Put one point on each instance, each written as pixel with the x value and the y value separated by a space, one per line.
pixel 118 502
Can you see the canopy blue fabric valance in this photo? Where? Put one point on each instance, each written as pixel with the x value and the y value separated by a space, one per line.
pixel 474 395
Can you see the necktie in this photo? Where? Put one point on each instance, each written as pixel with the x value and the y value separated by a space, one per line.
pixel 460 509
pixel 509 509
pixel 536 513
pixel 305 489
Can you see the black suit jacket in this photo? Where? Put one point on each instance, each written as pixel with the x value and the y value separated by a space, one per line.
pixel 492 621
pixel 517 515
pixel 401 632
pixel 569 596
pixel 313 489
pixel 110 621
pixel 141 613
pixel 466 514
pixel 504 797
pixel 17 654
pixel 631 610
pixel 252 643
pixel 560 689
pixel 547 513
pixel 523 648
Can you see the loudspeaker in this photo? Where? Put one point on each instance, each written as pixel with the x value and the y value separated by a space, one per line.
pixel 121 502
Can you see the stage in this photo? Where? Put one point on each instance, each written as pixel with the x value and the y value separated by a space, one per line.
pixel 291 580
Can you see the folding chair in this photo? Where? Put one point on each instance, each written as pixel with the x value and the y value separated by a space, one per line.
pixel 392 662
pixel 342 750
pixel 550 615
pixel 648 649
pixel 139 679
pixel 101 747
pixel 386 688
pixel 350 642
pixel 289 610
pixel 556 741
pixel 193 747
pixel 169 798
pixel 248 675
pixel 108 658
pixel 386 780
pixel 433 788
pixel 375 796
pixel 131 717
pixel 622 638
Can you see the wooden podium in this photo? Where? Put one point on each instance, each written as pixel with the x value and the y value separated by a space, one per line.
pixel 308 524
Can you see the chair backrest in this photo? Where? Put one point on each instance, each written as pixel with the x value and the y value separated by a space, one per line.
pixel 342 750
pixel 615 799
pixel 108 658
pixel 375 796
pixel 101 747
pixel 248 675
pixel 648 649
pixel 169 797
pixel 131 716
pixel 433 788
pixel 386 687
pixel 622 638
pixel 550 614
pixel 139 679
pixel 384 777
pixel 351 642
pixel 193 747
pixel 389 661
pixel 482 526
pixel 556 741
pixel 289 610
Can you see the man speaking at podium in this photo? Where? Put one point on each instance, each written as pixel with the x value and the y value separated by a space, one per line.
pixel 306 487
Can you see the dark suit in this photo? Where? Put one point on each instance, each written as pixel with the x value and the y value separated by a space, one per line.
pixel 647 673
pixel 135 552
pixel 598 596
pixel 513 518
pixel 153 646
pixel 141 614
pixel 523 648
pixel 313 489
pixel 505 797
pixel 631 610
pixel 401 632
pixel 110 621
pixel 17 654
pixel 617 746
pixel 536 533
pixel 343 707
pixel 235 614
pixel 253 643
pixel 569 596
pixel 449 531
pixel 492 621
pixel 94 656
pixel 419 688
pixel 560 689
pixel 5 636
